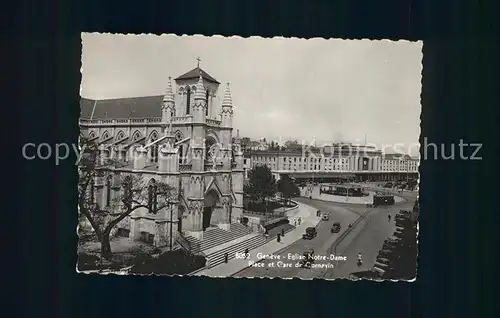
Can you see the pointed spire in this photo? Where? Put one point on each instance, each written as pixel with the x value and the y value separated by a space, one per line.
pixel 237 139
pixel 200 89
pixel 227 101
pixel 168 128
pixel 169 94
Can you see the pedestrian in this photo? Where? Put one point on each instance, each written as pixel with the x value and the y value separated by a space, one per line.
pixel 247 254
pixel 300 220
pixel 294 222
pixel 389 218
pixel 282 232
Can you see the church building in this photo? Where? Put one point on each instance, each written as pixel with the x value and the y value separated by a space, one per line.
pixel 183 138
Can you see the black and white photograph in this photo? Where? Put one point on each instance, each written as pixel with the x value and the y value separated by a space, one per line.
pixel 249 157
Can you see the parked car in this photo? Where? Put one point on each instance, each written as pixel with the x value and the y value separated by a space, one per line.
pixel 385 251
pixel 307 259
pixel 392 258
pixel 335 227
pixel 384 267
pixel 406 213
pixel 380 272
pixel 392 240
pixel 370 274
pixel 389 256
pixel 403 223
pixel 383 261
pixel 310 233
pixel 391 245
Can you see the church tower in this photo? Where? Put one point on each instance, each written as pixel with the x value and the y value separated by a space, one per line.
pixel 197 180
pixel 186 90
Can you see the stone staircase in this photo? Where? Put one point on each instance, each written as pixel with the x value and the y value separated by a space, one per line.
pixel 217 257
pixel 214 237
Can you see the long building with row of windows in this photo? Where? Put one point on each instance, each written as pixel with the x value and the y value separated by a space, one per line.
pixel 361 163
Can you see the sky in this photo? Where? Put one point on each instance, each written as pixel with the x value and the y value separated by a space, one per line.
pixel 313 90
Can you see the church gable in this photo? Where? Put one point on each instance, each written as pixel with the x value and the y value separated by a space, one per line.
pixel 195 73
pixel 213 185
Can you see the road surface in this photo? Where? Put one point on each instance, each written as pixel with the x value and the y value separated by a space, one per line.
pixel 368 240
pixel 321 244
pixel 366 237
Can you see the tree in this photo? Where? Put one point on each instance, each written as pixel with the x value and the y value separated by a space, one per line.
pixel 261 185
pixel 293 145
pixel 135 193
pixel 245 142
pixel 287 187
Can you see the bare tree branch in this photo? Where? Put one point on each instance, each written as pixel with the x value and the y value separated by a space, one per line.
pixel 131 192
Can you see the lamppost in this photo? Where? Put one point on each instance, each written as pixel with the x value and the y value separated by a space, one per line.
pixel 171 227
pixel 283 202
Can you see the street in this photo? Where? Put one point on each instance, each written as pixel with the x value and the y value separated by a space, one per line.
pixel 321 244
pixel 369 240
pixel 367 237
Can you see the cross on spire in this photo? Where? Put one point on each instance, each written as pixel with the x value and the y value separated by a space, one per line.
pixel 199 60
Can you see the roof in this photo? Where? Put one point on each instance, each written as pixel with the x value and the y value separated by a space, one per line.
pixel 134 107
pixel 395 156
pixel 195 73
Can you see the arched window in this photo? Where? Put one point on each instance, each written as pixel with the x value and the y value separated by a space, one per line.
pixel 178 137
pixel 206 109
pixel 210 149
pixel 105 136
pixel 136 136
pixel 188 100
pixel 154 148
pixel 152 197
pixel 120 136
pixel 92 135
pixel 108 190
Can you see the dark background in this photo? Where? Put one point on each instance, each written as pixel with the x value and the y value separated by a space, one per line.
pixel 458 247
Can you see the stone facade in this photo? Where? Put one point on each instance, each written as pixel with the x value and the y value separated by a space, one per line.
pixel 188 143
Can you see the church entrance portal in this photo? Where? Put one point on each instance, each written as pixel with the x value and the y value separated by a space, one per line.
pixel 207 215
pixel 211 200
